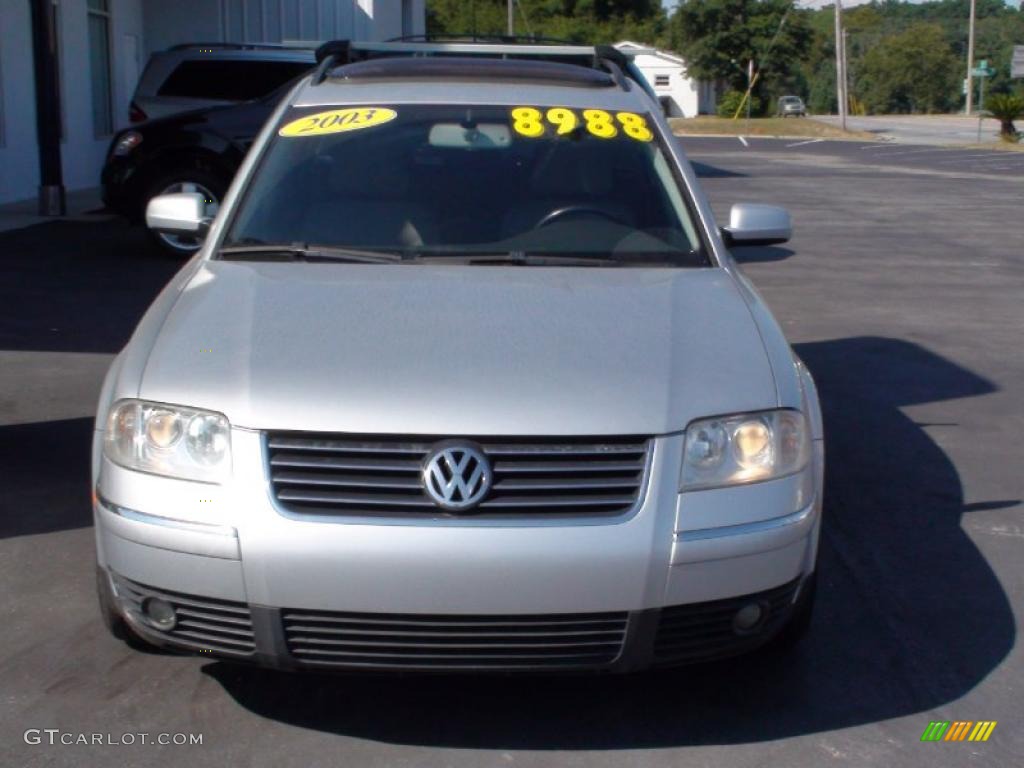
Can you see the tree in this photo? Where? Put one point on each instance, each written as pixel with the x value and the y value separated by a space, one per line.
pixel 718 37
pixel 582 21
pixel 914 71
pixel 1006 108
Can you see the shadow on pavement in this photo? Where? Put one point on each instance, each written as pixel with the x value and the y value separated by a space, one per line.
pixel 760 254
pixel 73 286
pixel 707 171
pixel 909 614
pixel 45 470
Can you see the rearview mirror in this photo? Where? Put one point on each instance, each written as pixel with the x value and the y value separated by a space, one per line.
pixel 756 224
pixel 183 213
pixel 480 136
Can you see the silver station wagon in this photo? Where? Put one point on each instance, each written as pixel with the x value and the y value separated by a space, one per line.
pixel 464 378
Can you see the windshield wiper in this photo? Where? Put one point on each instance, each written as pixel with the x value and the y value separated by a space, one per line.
pixel 520 258
pixel 301 252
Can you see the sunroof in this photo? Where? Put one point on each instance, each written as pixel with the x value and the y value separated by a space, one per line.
pixel 475 68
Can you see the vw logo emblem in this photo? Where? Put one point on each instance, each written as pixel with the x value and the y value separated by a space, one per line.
pixel 456 476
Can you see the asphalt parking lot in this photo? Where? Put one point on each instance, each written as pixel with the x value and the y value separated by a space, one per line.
pixel 902 291
pixel 923 129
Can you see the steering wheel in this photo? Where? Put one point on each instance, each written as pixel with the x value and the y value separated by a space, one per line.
pixel 576 210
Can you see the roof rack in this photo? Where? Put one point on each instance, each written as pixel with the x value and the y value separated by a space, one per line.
pixel 477 37
pixel 603 57
pixel 289 46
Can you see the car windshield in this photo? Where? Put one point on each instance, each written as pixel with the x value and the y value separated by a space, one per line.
pixel 427 182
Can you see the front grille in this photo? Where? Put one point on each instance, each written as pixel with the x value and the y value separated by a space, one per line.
pixel 704 631
pixel 203 623
pixel 407 641
pixel 381 475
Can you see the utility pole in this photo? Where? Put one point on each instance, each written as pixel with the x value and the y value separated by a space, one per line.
pixel 970 63
pixel 44 56
pixel 840 64
pixel 846 70
pixel 511 18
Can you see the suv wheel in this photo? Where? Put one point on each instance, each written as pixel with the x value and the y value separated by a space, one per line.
pixel 211 186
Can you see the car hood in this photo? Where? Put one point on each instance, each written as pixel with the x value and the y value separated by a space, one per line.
pixel 460 350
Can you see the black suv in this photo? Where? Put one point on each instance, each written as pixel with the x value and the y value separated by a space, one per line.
pixel 196 151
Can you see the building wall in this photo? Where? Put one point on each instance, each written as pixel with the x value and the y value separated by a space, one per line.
pixel 682 92
pixel 82 152
pixel 19 163
pixel 137 28
pixel 272 21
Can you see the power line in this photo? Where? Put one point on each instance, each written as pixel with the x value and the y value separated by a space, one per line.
pixel 526 21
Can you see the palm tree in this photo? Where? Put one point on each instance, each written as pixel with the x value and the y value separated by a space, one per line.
pixel 1006 108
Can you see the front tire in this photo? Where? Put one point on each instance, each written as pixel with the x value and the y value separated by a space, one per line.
pixel 196 180
pixel 799 623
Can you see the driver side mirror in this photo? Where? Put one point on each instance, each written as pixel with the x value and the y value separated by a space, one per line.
pixel 182 213
pixel 756 224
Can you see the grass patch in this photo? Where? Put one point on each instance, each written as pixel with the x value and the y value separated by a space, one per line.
pixel 788 127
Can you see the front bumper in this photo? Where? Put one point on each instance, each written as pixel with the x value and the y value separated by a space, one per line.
pixel 321 640
pixel 661 586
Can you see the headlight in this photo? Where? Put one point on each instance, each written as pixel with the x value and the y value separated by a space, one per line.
pixel 746 448
pixel 169 440
pixel 128 141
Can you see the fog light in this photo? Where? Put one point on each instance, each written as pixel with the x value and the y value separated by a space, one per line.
pixel 748 618
pixel 159 613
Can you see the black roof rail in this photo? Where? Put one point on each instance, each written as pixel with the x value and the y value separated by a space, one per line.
pixel 330 55
pixel 336 53
pixel 477 37
pixel 241 46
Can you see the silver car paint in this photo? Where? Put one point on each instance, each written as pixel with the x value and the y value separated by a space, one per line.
pixel 565 351
pixel 670 347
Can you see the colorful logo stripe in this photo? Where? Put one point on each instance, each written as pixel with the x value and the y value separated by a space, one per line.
pixel 982 730
pixel 958 730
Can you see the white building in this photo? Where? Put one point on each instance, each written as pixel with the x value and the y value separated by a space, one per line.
pixel 680 95
pixel 102 46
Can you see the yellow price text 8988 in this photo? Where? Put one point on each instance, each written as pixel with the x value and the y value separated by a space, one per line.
pixel 533 123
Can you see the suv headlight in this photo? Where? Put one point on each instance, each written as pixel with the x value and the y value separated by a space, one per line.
pixel 745 448
pixel 127 142
pixel 169 440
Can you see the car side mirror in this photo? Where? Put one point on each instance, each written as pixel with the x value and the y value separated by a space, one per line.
pixel 182 213
pixel 756 224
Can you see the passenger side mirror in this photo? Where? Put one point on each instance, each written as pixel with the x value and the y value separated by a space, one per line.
pixel 756 224
pixel 183 213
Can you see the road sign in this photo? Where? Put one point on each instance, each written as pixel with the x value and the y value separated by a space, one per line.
pixel 983 69
pixel 1017 64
